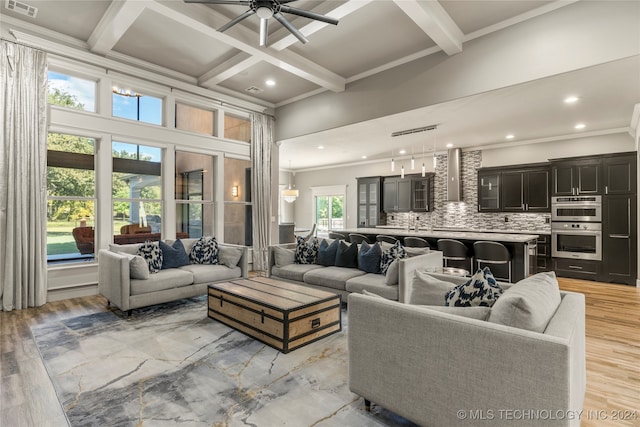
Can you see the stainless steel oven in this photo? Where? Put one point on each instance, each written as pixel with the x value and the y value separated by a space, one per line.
pixel 577 240
pixel 576 208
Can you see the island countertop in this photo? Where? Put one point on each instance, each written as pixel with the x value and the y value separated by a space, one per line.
pixel 443 234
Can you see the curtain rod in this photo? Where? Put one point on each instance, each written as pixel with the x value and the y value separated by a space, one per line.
pixel 23 44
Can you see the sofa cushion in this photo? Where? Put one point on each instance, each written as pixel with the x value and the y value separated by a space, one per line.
pixel 478 312
pixel 389 255
pixel 393 273
pixel 481 289
pixel 204 251
pixel 332 277
pixel 162 280
pixel 369 257
pixel 411 252
pixel 138 268
pixel 294 271
pixel 131 248
pixel 375 283
pixel 229 255
pixel 207 273
pixel 174 255
pixel 283 256
pixel 327 253
pixel 428 290
pixel 529 304
pixel 306 250
pixel 347 255
pixel 151 253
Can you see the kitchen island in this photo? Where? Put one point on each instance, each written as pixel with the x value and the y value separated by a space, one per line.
pixel 521 246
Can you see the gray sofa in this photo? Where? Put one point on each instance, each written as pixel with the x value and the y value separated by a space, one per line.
pixel 437 368
pixel 120 289
pixel 345 280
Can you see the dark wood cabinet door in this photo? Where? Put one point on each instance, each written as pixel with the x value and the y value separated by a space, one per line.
pixel 390 194
pixel 420 194
pixel 369 202
pixel 513 191
pixel 619 247
pixel 589 178
pixel 563 180
pixel 404 195
pixel 620 175
pixel 488 191
pixel 537 197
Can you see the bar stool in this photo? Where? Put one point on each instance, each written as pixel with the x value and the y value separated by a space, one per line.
pixel 415 242
pixel 337 236
pixel 492 253
pixel 357 238
pixel 454 250
pixel 385 238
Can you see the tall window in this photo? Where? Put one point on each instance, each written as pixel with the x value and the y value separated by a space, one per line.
pixel 70 197
pixel 237 202
pixel 194 195
pixel 71 92
pixel 135 106
pixel 137 192
pixel 238 128
pixel 195 119
pixel 329 208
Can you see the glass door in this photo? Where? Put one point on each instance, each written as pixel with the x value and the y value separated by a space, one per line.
pixel 329 214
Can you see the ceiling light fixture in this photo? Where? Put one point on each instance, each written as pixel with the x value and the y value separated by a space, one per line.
pixel 270 82
pixel 571 99
pixel 290 194
pixel 580 126
pixel 403 151
pixel 510 136
pixel 320 147
pixel 449 145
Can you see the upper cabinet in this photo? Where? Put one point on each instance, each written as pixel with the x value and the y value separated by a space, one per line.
pixel 411 193
pixel 619 174
pixel 369 202
pixel 524 188
pixel 573 177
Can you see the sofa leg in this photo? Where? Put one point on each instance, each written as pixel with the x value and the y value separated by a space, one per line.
pixel 367 405
pixel 108 303
pixel 129 313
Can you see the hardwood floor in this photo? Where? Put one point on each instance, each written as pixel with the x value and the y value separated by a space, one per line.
pixel 27 397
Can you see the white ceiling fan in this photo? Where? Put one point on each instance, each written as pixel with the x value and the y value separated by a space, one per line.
pixel 266 9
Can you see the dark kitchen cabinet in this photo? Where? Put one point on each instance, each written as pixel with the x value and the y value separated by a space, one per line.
pixel 526 190
pixel 422 193
pixel 576 177
pixel 620 174
pixel 543 257
pixel 396 194
pixel 489 191
pixel 369 202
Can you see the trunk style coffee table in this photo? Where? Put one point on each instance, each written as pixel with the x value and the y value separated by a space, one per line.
pixel 282 315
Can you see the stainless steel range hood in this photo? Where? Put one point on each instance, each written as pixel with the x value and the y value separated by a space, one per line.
pixel 454 184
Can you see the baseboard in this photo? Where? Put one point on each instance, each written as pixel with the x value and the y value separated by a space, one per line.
pixel 59 294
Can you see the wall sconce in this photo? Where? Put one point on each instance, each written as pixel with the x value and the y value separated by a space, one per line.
pixel 234 191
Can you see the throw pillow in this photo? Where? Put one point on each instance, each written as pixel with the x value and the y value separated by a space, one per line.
pixel 204 251
pixel 411 252
pixel 152 254
pixel 388 256
pixel 327 253
pixel 529 304
pixel 428 290
pixel 481 289
pixel 138 268
pixel 306 250
pixel 173 256
pixel 393 273
pixel 229 255
pixel 347 255
pixel 283 256
pixel 369 257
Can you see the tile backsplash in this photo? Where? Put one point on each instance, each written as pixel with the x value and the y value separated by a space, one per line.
pixel 465 214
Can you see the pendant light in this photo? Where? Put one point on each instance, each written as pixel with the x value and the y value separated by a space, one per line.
pixel 290 194
pixel 424 169
pixel 402 172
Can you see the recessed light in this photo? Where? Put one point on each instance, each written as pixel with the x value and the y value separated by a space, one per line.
pixel 510 136
pixel 364 157
pixel 449 145
pixel 570 99
pixel 403 151
pixel 580 126
pixel 320 147
pixel 270 82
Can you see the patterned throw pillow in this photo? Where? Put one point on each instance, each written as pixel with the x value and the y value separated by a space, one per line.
pixel 306 250
pixel 480 290
pixel 204 251
pixel 151 253
pixel 388 256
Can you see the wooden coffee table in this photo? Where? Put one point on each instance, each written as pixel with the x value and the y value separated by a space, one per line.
pixel 283 315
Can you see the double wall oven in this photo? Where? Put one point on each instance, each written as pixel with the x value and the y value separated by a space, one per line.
pixel 576 227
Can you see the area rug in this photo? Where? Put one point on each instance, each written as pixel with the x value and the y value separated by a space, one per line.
pixel 170 364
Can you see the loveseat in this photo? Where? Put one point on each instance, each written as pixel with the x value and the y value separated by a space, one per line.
pixel 118 264
pixel 345 280
pixel 451 366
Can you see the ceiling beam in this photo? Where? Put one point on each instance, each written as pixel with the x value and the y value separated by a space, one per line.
pixel 227 69
pixel 431 17
pixel 114 23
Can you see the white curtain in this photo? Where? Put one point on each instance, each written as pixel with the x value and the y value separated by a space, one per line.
pixel 23 177
pixel 261 143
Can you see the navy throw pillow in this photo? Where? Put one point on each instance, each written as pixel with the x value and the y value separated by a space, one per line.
pixel 347 255
pixel 173 256
pixel 327 253
pixel 369 257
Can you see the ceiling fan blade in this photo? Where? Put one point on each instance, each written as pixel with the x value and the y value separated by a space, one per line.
pixel 233 22
pixel 264 26
pixel 281 19
pixel 234 2
pixel 308 14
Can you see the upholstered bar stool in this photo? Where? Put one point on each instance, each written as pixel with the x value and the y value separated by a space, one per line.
pixel 337 236
pixel 455 250
pixel 384 238
pixel 357 238
pixel 493 253
pixel 415 242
